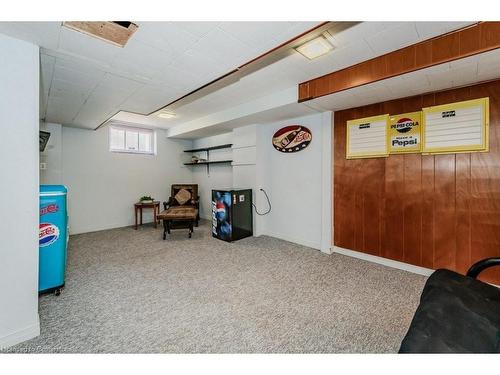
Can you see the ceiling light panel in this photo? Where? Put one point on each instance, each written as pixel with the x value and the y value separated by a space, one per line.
pixel 315 48
pixel 166 114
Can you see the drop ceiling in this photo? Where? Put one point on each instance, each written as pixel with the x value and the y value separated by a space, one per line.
pixel 85 81
pixel 458 73
pixel 354 45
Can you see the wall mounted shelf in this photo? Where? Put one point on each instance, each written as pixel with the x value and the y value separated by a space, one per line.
pixel 210 162
pixel 228 145
pixel 207 150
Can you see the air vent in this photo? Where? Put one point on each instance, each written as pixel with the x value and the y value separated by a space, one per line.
pixel 115 32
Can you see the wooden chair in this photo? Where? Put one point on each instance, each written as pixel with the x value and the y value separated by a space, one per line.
pixel 193 202
pixel 177 216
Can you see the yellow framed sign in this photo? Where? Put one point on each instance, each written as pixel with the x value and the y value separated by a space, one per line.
pixel 367 137
pixel 456 127
pixel 404 135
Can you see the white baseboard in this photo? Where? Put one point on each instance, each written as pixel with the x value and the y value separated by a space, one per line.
pixel 384 261
pixel 299 241
pixel 20 336
pixel 327 250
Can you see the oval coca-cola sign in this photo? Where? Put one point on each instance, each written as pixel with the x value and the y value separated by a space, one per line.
pixel 292 138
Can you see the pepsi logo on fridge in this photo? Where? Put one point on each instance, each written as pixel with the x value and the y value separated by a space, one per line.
pixel 48 234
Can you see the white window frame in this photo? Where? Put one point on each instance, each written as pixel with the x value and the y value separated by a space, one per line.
pixel 125 128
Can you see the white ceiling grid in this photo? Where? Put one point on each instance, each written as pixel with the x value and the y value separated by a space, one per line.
pixel 84 80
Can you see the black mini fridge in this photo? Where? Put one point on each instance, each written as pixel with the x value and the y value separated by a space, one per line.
pixel 232 214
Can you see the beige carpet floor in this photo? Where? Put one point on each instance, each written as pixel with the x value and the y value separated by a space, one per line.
pixel 129 291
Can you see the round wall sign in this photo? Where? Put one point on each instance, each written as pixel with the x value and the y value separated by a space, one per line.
pixel 292 138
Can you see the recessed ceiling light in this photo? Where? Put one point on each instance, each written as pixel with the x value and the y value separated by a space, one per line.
pixel 166 114
pixel 315 48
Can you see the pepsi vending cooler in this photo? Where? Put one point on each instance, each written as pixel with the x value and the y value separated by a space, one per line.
pixel 232 214
pixel 52 238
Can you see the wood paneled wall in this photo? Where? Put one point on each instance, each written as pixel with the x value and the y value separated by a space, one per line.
pixel 434 211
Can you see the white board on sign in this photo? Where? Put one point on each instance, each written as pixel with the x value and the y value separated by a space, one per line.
pixel 367 137
pixel 456 127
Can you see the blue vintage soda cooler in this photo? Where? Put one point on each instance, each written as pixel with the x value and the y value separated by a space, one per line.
pixel 52 238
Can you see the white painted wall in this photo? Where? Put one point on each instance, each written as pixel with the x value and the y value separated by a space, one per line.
pixel 52 155
pixel 103 186
pixel 19 92
pixel 221 175
pixel 245 167
pixel 298 184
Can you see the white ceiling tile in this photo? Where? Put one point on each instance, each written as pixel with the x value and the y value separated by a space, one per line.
pixel 47 60
pixel 149 98
pixel 178 78
pixel 200 64
pixel 90 48
pixel 88 119
pixel 165 36
pixel 113 91
pixel 427 30
pixel 63 109
pixel 140 60
pixel 393 38
pixel 225 49
pixel 295 29
pixel 199 29
pixel 47 64
pixel 94 112
pixel 260 35
pixel 76 64
pixel 362 30
pixel 71 87
pixel 64 92
pixel 77 77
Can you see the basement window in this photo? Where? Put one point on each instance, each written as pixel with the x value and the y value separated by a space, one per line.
pixel 132 140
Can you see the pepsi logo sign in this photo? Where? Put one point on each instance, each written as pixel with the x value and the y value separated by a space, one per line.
pixel 292 138
pixel 404 125
pixel 51 208
pixel 48 234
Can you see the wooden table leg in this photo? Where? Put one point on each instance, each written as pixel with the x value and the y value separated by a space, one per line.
pixel 140 214
pixel 154 216
pixel 135 214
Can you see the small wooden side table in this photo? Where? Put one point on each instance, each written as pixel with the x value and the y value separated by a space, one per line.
pixel 155 205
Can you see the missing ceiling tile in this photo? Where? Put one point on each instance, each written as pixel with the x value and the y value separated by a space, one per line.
pixel 115 32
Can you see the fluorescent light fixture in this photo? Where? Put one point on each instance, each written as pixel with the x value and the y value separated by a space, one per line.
pixel 315 48
pixel 166 114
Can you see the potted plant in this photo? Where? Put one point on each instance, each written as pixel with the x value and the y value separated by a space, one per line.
pixel 146 199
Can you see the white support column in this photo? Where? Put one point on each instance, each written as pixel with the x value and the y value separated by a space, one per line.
pixel 19 197
pixel 326 183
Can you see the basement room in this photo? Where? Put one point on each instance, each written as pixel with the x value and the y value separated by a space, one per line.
pixel 227 186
